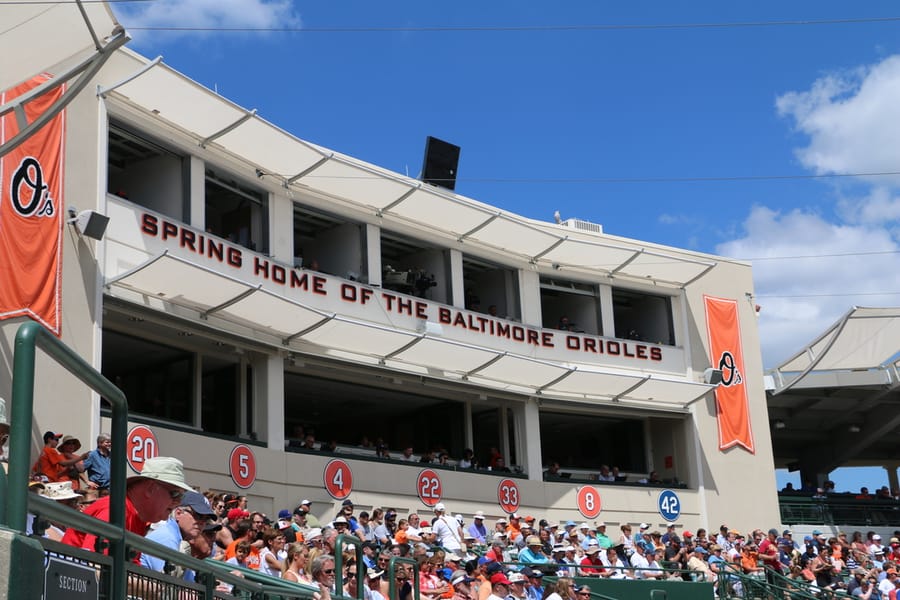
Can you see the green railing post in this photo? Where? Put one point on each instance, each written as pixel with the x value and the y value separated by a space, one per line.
pixel 30 336
pixel 392 581
pixel 352 540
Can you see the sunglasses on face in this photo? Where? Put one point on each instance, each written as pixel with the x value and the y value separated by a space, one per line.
pixel 328 571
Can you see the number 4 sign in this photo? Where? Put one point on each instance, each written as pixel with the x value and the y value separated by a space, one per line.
pixel 338 479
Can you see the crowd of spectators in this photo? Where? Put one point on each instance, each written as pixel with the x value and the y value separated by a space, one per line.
pixel 828 491
pixel 456 558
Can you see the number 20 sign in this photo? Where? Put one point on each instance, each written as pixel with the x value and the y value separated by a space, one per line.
pixel 140 444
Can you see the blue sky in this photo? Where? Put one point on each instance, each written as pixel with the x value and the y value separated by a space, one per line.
pixel 547 118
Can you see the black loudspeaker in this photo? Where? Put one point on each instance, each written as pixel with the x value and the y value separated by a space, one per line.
pixel 441 161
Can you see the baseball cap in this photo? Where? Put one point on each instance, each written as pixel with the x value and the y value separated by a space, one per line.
pixel 514 516
pixel 440 507
pixel 479 514
pixel 787 532
pixel 570 523
pixel 516 578
pixel 284 514
pixel 313 534
pixel 688 534
pixel 644 526
pixel 499 578
pixel 51 435
pixel 341 520
pixel 237 513
pixel 502 520
pixel 347 502
pixel 166 469
pixel 305 502
pixel 876 537
pixel 211 527
pixel 773 531
pixel 529 519
pixel 197 503
pixel 459 576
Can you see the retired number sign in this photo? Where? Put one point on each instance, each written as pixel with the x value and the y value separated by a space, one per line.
pixel 338 479
pixel 428 486
pixel 140 445
pixel 588 501
pixel 508 496
pixel 242 465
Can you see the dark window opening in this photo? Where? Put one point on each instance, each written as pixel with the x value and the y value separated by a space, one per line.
pixel 236 212
pixel 156 379
pixel 329 244
pixel 415 268
pixel 570 306
pixel 643 317
pixel 590 441
pixel 147 173
pixel 491 289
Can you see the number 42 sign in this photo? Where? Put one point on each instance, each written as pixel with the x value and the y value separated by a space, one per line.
pixel 669 505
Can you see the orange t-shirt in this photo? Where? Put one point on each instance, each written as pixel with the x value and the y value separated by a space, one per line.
pixel 252 558
pixel 48 464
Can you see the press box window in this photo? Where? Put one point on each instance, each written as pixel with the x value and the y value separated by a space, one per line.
pixel 236 212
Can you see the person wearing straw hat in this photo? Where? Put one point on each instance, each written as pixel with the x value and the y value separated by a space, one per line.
pixel 149 497
pixel 60 491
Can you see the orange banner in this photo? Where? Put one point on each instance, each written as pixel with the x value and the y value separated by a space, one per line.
pixel 727 355
pixel 31 213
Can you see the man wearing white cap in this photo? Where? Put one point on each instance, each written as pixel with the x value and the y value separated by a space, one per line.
pixel 477 529
pixel 149 497
pixel 446 529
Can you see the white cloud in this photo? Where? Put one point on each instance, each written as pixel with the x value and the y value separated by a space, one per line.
pixel 801 297
pixel 209 14
pixel 852 120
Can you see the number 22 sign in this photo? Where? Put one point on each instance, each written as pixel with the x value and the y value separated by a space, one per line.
pixel 428 486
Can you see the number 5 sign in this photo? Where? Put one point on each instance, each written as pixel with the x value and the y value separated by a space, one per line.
pixel 428 486
pixel 141 444
pixel 242 465
pixel 338 479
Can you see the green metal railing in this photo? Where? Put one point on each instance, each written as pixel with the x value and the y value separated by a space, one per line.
pixel 838 509
pixel 29 337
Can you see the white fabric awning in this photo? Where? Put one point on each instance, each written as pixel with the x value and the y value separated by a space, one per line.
pixel 862 339
pixel 296 327
pixel 300 165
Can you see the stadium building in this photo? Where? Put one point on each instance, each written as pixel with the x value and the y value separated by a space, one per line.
pixel 251 289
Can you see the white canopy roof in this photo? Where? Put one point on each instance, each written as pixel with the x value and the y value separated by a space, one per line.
pixel 861 340
pixel 213 121
pixel 295 326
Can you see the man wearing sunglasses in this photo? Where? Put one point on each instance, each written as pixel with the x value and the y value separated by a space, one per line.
pixel 150 497
pixel 184 525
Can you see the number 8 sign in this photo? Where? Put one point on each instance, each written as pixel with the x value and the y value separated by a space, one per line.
pixel 588 501
pixel 428 486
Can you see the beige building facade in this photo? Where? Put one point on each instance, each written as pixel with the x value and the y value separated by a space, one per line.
pixel 251 286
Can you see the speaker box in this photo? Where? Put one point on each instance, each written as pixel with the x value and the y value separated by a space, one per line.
pixel 441 162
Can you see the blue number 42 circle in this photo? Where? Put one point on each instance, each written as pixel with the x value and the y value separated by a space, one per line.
pixel 669 505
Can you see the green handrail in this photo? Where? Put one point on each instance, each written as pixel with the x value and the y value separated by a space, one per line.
pixel 30 336
pixel 392 581
pixel 352 540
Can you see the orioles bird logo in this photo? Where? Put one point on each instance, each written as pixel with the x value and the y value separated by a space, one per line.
pixel 731 375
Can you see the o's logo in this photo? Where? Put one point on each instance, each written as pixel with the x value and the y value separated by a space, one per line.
pixel 28 192
pixel 731 375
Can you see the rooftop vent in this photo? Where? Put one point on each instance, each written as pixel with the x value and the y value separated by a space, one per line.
pixel 583 225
